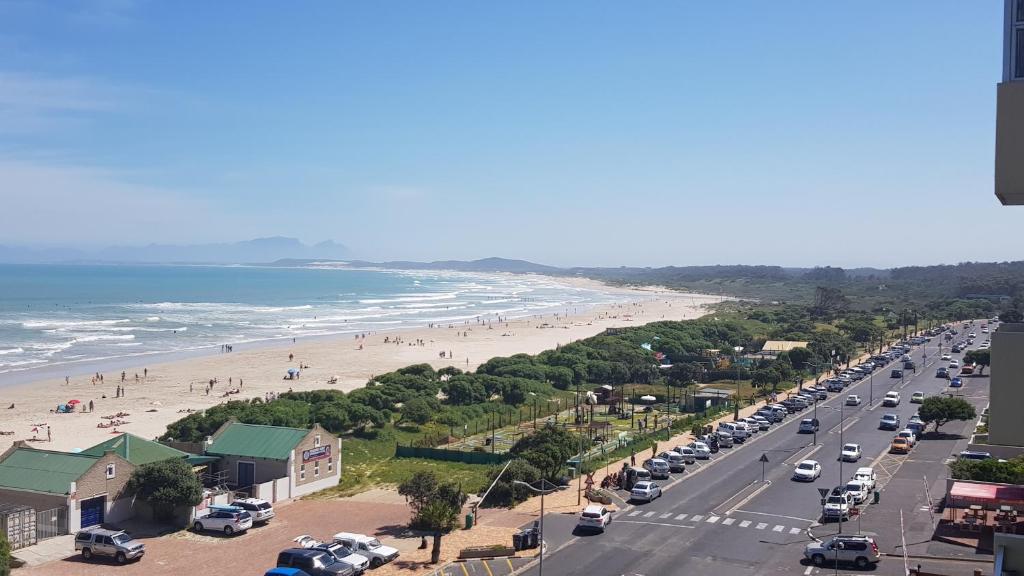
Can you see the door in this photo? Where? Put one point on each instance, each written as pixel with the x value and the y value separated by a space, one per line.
pixel 246 474
pixel 92 511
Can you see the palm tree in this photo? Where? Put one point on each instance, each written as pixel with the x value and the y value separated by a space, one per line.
pixel 438 516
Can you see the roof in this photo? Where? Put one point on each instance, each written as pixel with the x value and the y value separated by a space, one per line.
pixel 136 450
pixel 256 441
pixel 782 345
pixel 43 470
pixel 985 493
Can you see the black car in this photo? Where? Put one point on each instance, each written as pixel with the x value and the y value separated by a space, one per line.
pixel 313 562
pixel 712 441
pixel 790 406
pixel 942 372
pixel 896 374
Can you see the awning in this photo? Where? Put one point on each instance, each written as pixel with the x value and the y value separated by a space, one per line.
pixel 984 494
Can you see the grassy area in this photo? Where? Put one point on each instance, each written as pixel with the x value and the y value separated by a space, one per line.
pixel 370 463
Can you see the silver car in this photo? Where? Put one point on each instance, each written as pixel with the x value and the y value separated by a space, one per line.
pixel 113 543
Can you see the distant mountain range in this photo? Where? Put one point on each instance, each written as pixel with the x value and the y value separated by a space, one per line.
pixel 483 265
pixel 257 250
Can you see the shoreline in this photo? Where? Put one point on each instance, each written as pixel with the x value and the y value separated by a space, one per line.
pixel 167 388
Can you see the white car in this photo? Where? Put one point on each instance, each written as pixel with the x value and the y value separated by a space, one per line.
pixel 850 453
pixel 891 399
pixel 645 491
pixel 227 519
pixel 947 356
pixel 689 454
pixel 954 364
pixel 859 490
pixel 368 546
pixel 261 510
pixel 340 552
pixel 594 517
pixel 762 422
pixel 909 435
pixel 853 400
pixel 753 426
pixel 701 450
pixel 917 398
pixel 866 475
pixel 837 506
pixel 807 471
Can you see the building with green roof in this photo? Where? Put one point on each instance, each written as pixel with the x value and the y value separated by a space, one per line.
pixel 275 462
pixel 136 450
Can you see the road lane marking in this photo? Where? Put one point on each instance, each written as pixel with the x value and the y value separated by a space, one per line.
pixel 761 525
pixel 511 568
pixel 794 530
pixel 778 528
pixel 488 568
pixel 749 497
pixel 712 519
pixel 649 514
pixel 808 571
pixel 464 571
pixel 682 517
pixel 653 523
pixel 797 518
pixel 728 521
pixel 635 513
pixel 697 518
pixel 665 515
pixel 745 523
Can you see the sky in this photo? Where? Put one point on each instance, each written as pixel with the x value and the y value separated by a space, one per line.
pixel 568 133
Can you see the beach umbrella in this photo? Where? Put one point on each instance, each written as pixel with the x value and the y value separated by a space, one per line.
pixel 648 398
pixel 73 402
pixel 292 371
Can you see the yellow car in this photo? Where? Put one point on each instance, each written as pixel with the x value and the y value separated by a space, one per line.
pixel 900 446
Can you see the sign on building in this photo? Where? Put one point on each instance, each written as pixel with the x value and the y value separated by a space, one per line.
pixel 318 453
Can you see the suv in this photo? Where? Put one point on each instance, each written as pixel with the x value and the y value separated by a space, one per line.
pixel 260 510
pixel 113 543
pixel 808 425
pixel 658 468
pixel 861 551
pixel 368 546
pixel 594 517
pixel 313 562
pixel 226 519
pixel 837 506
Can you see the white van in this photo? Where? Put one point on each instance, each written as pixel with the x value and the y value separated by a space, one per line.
pixel 367 546
pixel 738 430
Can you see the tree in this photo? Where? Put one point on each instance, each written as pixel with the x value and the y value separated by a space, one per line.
pixel 5 555
pixel 464 390
pixel 547 449
pixel 1011 316
pixel 799 357
pixel 418 411
pixel 436 505
pixel 944 409
pixel 505 491
pixel 166 485
pixel 980 357
pixel 989 470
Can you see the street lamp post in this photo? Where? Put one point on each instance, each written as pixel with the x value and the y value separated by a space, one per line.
pixel 543 492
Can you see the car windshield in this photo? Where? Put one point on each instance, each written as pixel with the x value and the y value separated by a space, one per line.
pixel 373 543
pixel 853 487
pixel 591 515
pixel 121 538
pixel 641 486
pixel 806 466
pixel 850 448
pixel 836 500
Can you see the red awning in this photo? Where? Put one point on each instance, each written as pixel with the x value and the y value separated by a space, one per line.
pixel 965 493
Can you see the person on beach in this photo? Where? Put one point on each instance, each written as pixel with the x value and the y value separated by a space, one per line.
pixel 90 406
pixel 49 436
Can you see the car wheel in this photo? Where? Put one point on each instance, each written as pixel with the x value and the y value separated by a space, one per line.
pixel 861 562
pixel 818 560
pixel 228 530
pixel 376 563
pixel 86 553
pixel 121 558
pixel 198 526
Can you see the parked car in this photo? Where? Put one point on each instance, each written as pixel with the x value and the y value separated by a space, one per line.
pixel 861 551
pixel 807 471
pixel 917 398
pixel 260 510
pixel 645 491
pixel 227 519
pixel 837 506
pixel 974 455
pixel 889 422
pixel 834 385
pixel 688 454
pixel 899 446
pixel 713 441
pixel 866 474
pixel 358 562
pixel 115 544
pixel 909 435
pixel 850 452
pixel 594 517
pixel 724 439
pixel 368 546
pixel 858 489
pixel 313 562
pixel 285 572
pixel 674 459
pixel 702 450
pixel 658 468
pixel 891 399
pixel 760 422
pixel 853 400
pixel 808 425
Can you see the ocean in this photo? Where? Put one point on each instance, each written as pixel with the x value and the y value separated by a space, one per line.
pixel 63 319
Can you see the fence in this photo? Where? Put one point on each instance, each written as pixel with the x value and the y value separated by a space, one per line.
pixel 451 455
pixel 52 523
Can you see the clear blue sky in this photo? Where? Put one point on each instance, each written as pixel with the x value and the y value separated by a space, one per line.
pixel 593 133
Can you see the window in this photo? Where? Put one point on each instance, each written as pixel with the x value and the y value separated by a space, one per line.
pixel 330 465
pixel 1018 66
pixel 302 471
pixel 111 471
pixel 1020 12
pixel 316 441
pixel 316 469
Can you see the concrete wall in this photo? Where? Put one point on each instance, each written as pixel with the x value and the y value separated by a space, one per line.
pixel 302 485
pixel 1009 177
pixel 1004 452
pixel 1009 553
pixel 1005 424
pixel 266 470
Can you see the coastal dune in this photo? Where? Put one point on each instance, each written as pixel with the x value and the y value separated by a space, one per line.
pixel 165 392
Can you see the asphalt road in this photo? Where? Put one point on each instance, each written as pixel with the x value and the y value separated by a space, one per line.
pixel 720 518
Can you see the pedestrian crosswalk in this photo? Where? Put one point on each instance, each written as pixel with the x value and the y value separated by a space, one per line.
pixel 689 519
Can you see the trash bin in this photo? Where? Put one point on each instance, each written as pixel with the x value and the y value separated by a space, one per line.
pixel 517 541
pixel 469 521
pixel 534 537
pixel 876 496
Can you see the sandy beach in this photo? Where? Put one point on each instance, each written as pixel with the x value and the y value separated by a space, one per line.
pixel 157 394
